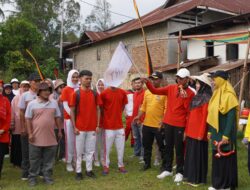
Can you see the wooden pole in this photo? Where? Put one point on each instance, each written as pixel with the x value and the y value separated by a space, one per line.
pixel 179 51
pixel 244 70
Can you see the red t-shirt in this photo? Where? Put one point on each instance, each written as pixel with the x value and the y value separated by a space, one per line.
pixel 5 121
pixel 137 102
pixel 114 102
pixel 177 107
pixel 66 97
pixel 197 123
pixel 86 118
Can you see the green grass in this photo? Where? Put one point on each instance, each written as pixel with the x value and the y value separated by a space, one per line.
pixel 134 179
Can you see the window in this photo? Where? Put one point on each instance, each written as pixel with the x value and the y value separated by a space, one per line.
pixel 210 49
pixel 232 51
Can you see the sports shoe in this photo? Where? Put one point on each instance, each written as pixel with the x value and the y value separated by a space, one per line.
pixel 97 163
pixel 91 174
pixel 78 176
pixel 178 178
pixel 69 167
pixel 164 174
pixel 105 170
pixel 211 188
pixel 32 182
pixel 122 170
pixel 25 176
pixel 48 181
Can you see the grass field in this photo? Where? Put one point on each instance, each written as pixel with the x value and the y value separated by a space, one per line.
pixel 134 179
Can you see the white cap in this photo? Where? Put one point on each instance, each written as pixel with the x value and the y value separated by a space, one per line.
pixel 183 73
pixel 25 82
pixel 14 80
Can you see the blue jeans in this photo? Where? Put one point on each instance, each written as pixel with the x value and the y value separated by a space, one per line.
pixel 137 132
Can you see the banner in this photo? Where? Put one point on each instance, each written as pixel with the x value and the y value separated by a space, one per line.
pixel 119 67
pixel 231 38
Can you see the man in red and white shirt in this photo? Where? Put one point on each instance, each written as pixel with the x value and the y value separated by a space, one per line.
pixel 114 100
pixel 85 117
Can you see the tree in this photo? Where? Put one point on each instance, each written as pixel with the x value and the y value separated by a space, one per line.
pixel 18 66
pixel 18 35
pixel 46 15
pixel 100 17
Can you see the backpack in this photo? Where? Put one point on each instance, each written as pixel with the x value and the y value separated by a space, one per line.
pixel 78 99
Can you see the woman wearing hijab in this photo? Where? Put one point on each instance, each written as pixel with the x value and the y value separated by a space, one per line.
pixel 196 156
pixel 223 119
pixel 100 87
pixel 7 92
pixel 72 85
pixel 5 117
pixel 16 153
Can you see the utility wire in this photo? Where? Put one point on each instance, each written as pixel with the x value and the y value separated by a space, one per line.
pixel 104 9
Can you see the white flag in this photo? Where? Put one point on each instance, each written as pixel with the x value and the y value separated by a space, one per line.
pixel 119 67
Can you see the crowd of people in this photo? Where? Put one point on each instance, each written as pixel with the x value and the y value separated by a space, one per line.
pixel 44 121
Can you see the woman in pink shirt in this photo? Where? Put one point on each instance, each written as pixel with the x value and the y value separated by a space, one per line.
pixel 16 153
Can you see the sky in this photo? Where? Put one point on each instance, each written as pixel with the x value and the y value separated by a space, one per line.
pixel 124 7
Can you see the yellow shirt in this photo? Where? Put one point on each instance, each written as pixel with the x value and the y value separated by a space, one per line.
pixel 247 130
pixel 154 108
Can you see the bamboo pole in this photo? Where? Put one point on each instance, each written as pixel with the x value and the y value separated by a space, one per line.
pixel 179 51
pixel 244 70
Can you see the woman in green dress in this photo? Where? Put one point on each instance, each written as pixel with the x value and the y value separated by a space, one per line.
pixel 222 119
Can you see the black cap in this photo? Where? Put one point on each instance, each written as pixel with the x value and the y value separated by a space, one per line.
pixel 220 73
pixel 34 76
pixel 156 75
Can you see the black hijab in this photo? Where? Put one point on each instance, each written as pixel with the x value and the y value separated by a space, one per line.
pixel 9 96
pixel 203 96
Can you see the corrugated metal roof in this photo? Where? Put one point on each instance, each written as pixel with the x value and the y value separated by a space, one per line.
pixel 227 66
pixel 189 63
pixel 162 14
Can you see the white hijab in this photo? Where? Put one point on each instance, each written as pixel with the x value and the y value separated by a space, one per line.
pixel 97 85
pixel 69 79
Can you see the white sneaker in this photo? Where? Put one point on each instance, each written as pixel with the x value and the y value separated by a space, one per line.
pixel 156 162
pixel 178 178
pixel 164 174
pixel 211 188
pixel 69 167
pixel 97 163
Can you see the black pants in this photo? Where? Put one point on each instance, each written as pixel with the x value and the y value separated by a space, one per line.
pixel 16 150
pixel 148 136
pixel 174 139
pixel 60 152
pixel 249 158
pixel 3 149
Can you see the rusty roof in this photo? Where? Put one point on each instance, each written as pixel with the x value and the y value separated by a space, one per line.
pixel 213 61
pixel 162 14
pixel 227 66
